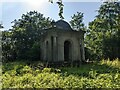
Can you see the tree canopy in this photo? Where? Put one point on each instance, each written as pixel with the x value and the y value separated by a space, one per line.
pixel 1 26
pixel 103 34
pixel 77 21
pixel 23 39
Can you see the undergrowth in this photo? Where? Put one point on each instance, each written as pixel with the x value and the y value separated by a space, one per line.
pixel 103 74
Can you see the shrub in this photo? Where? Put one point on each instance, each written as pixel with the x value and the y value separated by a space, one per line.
pixel 20 75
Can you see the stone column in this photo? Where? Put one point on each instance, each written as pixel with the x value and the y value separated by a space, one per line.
pixel 82 49
pixel 60 49
pixel 49 50
pixel 54 48
pixel 43 51
pixel 79 52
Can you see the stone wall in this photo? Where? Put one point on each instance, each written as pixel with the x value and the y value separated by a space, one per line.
pixel 52 46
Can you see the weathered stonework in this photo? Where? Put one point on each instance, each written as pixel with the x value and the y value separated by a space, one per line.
pixel 61 43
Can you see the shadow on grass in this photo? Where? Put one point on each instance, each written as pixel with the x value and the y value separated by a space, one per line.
pixel 86 69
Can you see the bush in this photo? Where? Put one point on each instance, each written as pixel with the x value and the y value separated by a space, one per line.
pixel 21 75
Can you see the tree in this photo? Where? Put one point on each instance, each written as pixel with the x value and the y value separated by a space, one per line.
pixel 1 26
pixel 103 31
pixel 77 21
pixel 6 45
pixel 25 34
pixel 93 40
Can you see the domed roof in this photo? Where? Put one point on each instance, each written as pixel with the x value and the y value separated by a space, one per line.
pixel 61 24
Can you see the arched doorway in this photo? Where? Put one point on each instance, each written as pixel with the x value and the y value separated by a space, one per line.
pixel 67 51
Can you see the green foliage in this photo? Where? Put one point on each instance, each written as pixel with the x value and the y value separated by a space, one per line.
pixel 6 45
pixel 95 75
pixel 77 21
pixel 102 38
pixel 34 53
pixel 23 40
pixel 60 5
pixel 1 26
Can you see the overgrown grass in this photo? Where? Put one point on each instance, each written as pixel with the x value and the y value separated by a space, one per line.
pixel 103 74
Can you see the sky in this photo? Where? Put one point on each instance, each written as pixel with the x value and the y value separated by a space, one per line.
pixel 13 9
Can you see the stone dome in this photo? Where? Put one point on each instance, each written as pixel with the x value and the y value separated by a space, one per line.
pixel 61 24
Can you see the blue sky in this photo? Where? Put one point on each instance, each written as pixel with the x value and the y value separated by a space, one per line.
pixel 14 10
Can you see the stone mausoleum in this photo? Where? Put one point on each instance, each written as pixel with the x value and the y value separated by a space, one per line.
pixel 62 43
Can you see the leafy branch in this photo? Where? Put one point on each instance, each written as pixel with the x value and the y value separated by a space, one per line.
pixel 60 5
